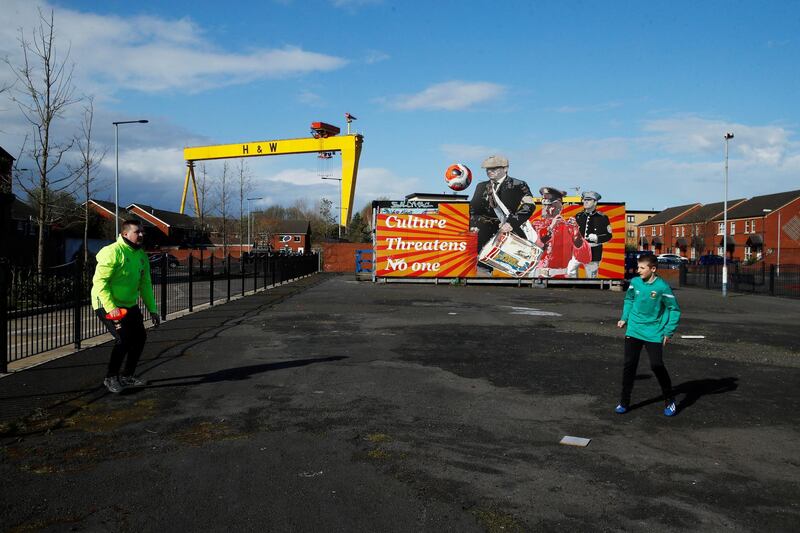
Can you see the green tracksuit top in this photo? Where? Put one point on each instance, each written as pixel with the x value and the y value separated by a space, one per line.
pixel 121 276
pixel 651 310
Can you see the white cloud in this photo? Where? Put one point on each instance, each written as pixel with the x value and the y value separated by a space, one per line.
pixel 587 109
pixel 450 96
pixel 669 161
pixel 152 54
pixel 375 56
pixel 468 152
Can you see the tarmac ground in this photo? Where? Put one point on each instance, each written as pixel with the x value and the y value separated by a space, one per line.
pixel 329 404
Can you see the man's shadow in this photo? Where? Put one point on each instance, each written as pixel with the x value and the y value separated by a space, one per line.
pixel 238 373
pixel 694 390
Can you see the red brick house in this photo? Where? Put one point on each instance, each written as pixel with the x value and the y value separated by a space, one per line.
pixel 655 233
pixel 754 232
pixel 693 233
pixel 179 228
pixel 294 235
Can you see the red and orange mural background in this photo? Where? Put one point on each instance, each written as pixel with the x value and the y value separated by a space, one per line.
pixel 433 240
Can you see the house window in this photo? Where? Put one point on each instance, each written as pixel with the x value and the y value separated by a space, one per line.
pixel 721 228
pixel 683 231
pixel 720 250
pixel 297 238
pixel 747 226
pixel 675 231
pixel 631 218
pixel 631 233
pixel 661 231
pixel 692 253
pixel 653 231
pixel 748 253
pixel 733 228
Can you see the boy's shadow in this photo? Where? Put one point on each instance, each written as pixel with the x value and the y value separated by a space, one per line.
pixel 693 390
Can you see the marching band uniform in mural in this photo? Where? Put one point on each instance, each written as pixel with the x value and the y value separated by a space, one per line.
pixel 560 239
pixel 501 203
pixel 596 229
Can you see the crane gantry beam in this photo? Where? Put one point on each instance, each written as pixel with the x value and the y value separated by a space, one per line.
pixel 348 145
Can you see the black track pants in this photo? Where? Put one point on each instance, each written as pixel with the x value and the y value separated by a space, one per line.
pixel 129 341
pixel 633 349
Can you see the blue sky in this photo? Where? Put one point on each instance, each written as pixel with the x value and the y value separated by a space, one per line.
pixel 630 99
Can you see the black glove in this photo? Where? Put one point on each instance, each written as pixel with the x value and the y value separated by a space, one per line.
pixel 155 319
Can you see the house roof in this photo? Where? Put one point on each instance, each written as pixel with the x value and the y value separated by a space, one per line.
pixel 21 211
pixel 754 207
pixel 708 212
pixel 6 155
pixel 293 227
pixel 667 214
pixel 170 218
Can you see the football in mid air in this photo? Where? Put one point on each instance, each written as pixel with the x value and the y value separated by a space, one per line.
pixel 458 177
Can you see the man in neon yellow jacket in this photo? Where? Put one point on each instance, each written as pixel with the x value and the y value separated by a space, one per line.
pixel 121 277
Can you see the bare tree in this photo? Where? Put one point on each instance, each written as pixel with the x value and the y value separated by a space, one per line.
pixel 90 159
pixel 203 192
pixel 45 90
pixel 245 186
pixel 223 199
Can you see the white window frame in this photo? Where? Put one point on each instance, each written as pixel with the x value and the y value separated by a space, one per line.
pixel 733 228
pixel 720 251
pixel 631 218
pixel 748 253
pixel 721 228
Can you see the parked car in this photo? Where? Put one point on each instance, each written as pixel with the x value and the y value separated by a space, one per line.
pixel 670 263
pixel 674 256
pixel 172 261
pixel 710 259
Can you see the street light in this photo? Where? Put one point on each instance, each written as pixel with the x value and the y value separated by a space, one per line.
pixel 248 219
pixel 728 137
pixel 340 202
pixel 778 261
pixel 116 171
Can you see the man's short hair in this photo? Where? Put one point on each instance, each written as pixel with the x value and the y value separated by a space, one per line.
pixel 649 259
pixel 128 224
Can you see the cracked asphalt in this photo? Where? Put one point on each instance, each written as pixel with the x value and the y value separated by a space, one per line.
pixel 334 405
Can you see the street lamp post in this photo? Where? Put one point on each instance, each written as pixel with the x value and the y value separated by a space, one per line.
pixel 116 167
pixel 340 202
pixel 248 219
pixel 778 260
pixel 728 137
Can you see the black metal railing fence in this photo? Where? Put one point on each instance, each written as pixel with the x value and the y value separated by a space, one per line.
pixel 48 310
pixel 758 278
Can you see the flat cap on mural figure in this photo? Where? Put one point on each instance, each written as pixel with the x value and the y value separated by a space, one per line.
pixel 495 161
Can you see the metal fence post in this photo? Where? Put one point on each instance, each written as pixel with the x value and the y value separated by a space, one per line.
pixel 228 274
pixel 191 285
pixel 255 274
pixel 211 280
pixel 164 266
pixel 272 269
pixel 5 281
pixel 241 270
pixel 772 280
pixel 266 259
pixel 77 293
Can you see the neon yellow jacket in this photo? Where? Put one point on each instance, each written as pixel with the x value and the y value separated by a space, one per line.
pixel 121 276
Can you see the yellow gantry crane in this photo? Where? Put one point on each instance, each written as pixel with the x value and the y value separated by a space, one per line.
pixel 325 140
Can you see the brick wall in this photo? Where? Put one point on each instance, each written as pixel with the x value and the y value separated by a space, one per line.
pixel 341 256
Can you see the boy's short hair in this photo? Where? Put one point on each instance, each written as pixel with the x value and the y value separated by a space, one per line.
pixel 649 259
pixel 127 224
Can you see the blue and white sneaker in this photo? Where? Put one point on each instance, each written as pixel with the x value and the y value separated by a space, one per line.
pixel 620 409
pixel 669 408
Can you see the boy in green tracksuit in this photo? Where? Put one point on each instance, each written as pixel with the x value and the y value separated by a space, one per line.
pixel 651 314
pixel 121 277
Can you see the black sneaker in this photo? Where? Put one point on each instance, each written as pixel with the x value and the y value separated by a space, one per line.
pixel 132 381
pixel 113 385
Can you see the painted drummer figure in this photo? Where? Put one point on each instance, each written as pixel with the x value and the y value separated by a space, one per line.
pixel 560 239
